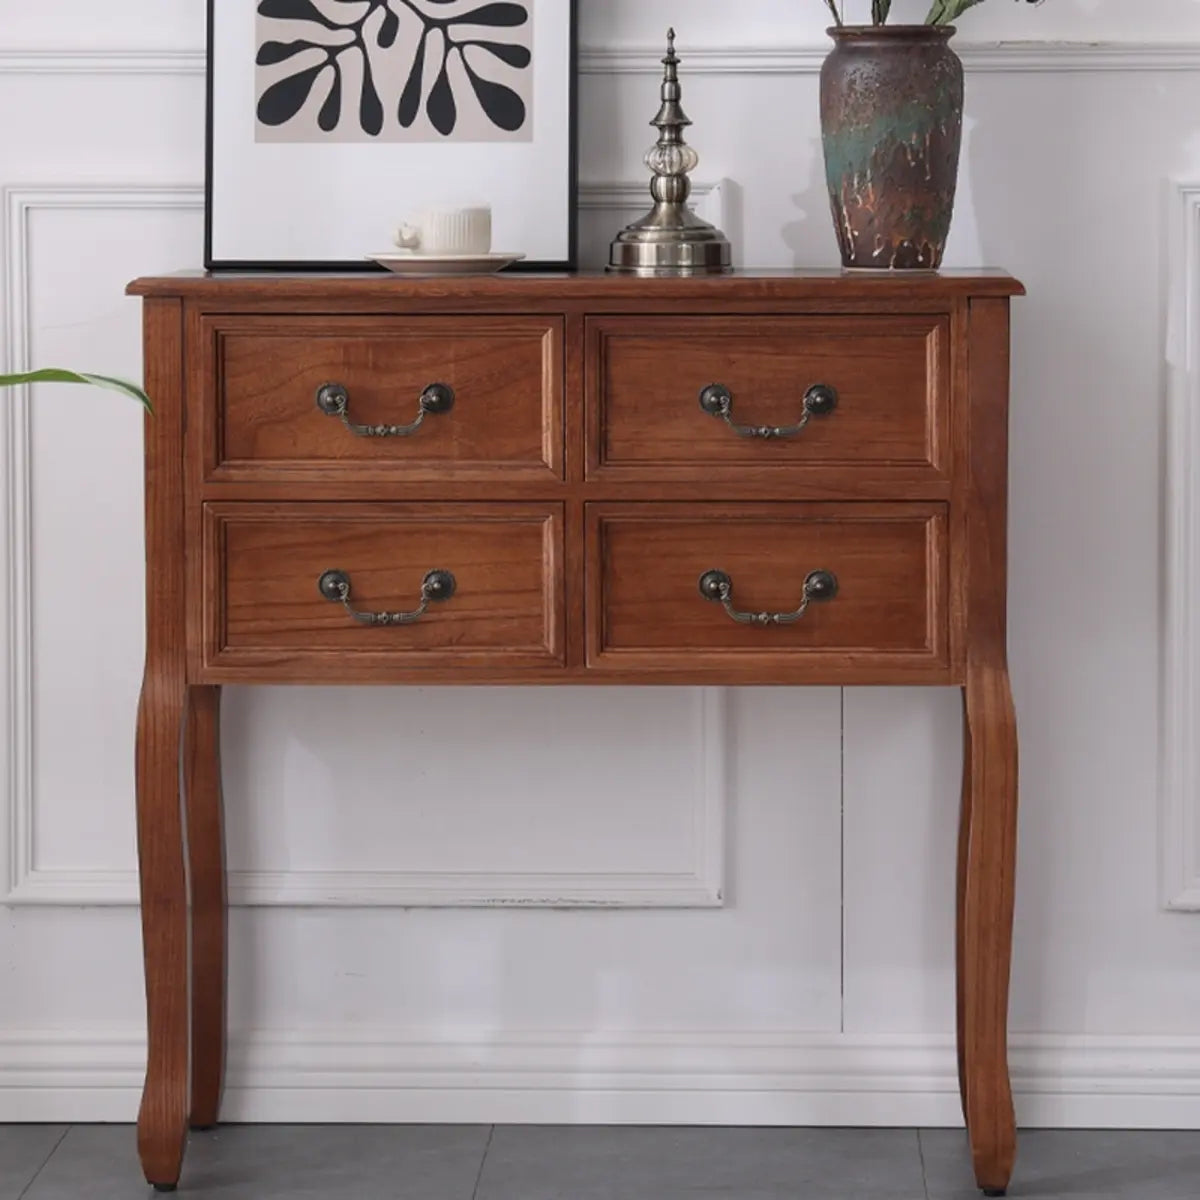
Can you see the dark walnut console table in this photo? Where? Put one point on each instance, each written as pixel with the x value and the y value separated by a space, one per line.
pixel 790 478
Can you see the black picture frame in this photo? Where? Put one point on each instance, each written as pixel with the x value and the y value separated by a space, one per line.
pixel 570 263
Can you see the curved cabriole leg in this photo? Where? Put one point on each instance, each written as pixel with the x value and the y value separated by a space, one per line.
pixel 162 1118
pixel 964 842
pixel 985 937
pixel 206 864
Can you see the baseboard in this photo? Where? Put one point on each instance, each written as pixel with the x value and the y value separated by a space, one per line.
pixel 394 1076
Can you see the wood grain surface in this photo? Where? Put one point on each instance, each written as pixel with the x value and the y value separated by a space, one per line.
pixel 987 884
pixel 889 374
pixel 206 874
pixel 267 561
pixel 163 1115
pixel 646 562
pixel 505 372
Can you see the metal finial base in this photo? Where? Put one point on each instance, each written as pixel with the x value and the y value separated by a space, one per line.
pixel 671 240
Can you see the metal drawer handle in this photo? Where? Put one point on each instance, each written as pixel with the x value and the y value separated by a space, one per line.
pixel 819 401
pixel 334 401
pixel 436 586
pixel 818 586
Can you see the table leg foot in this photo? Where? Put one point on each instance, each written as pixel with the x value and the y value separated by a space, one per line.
pixel 985 922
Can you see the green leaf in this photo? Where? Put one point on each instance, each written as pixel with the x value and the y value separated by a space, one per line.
pixel 944 12
pixel 880 11
pixel 57 375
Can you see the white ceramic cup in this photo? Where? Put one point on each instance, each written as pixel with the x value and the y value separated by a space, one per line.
pixel 448 231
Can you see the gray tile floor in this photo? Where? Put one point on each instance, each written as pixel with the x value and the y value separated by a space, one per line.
pixel 478 1162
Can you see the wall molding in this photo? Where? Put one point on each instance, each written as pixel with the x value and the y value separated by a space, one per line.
pixel 362 1074
pixel 992 58
pixel 1179 824
pixel 101 62
pixel 18 875
pixel 623 195
pixel 996 57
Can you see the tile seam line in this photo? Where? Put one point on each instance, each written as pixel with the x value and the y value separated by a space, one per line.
pixel 42 1166
pixel 483 1161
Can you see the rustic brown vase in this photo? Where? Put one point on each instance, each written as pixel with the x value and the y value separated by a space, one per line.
pixel 891 122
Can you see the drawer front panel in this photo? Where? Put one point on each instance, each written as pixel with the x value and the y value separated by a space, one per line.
pixel 860 393
pixel 270 597
pixel 875 578
pixel 502 378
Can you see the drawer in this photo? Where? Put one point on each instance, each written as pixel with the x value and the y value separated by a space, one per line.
pixel 684 397
pixel 768 590
pixel 423 399
pixel 318 590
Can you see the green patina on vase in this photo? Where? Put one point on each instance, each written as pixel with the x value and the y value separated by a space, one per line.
pixel 891 122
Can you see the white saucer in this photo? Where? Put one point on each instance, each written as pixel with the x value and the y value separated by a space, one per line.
pixel 405 262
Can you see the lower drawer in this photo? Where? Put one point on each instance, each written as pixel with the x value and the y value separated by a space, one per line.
pixel 308 589
pixel 760 589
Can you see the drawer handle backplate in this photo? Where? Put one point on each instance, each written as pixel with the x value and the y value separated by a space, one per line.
pixel 819 401
pixel 436 586
pixel 334 401
pixel 818 586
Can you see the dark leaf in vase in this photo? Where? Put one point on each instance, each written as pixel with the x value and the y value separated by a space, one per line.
pixel 370 108
pixel 294 10
pixel 500 16
pixel 389 30
pixel 503 106
pixel 410 98
pixel 515 56
pixel 283 100
pixel 331 110
pixel 442 110
pixel 270 53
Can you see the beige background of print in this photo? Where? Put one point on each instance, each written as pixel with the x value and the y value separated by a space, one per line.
pixel 390 70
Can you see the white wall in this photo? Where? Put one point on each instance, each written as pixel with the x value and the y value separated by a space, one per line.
pixel 808 976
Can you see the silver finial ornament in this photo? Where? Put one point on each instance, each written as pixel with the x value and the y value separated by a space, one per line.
pixel 671 239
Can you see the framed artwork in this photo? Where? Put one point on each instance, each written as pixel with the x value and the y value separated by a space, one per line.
pixel 333 122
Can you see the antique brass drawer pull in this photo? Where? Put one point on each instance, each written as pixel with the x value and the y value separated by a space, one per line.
pixel 716 585
pixel 334 401
pixel 437 585
pixel 819 401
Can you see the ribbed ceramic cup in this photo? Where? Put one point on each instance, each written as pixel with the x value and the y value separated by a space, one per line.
pixel 448 231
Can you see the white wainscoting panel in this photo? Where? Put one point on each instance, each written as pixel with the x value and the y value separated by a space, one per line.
pixel 445 797
pixel 689 844
pixel 1180 775
pixel 73 433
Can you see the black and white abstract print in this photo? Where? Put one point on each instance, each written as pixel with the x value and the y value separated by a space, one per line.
pixel 395 70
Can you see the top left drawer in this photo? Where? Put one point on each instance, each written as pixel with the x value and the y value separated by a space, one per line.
pixel 402 399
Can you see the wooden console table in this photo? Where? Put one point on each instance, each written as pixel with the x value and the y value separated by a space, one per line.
pixel 787 478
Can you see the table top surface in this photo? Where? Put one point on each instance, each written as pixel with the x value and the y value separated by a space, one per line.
pixel 815 283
